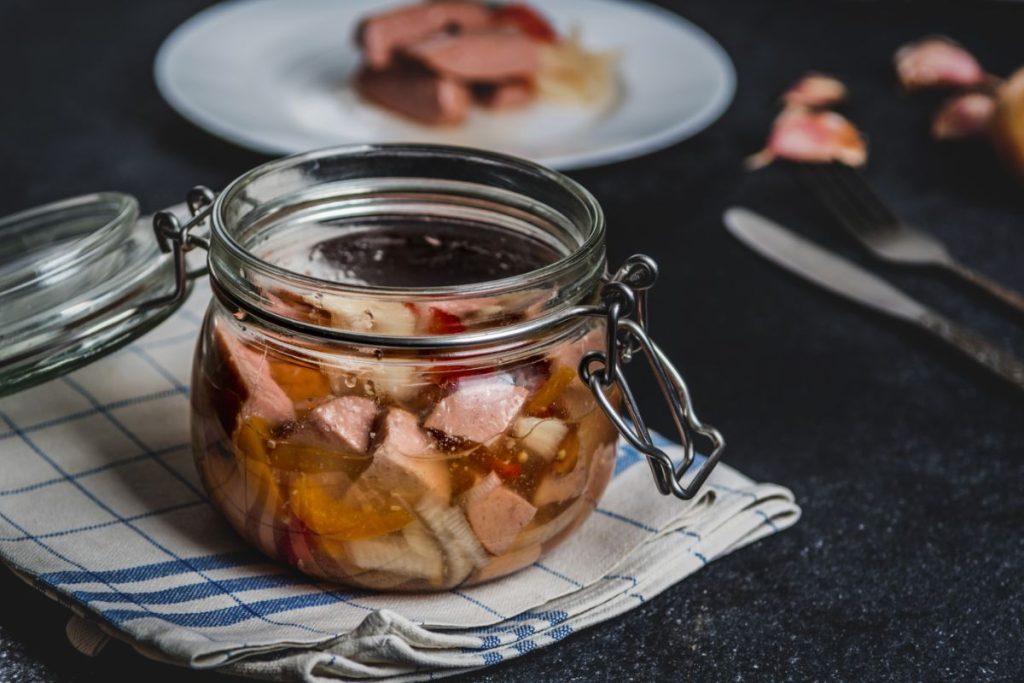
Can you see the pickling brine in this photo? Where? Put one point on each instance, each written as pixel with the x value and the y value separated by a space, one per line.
pixel 397 472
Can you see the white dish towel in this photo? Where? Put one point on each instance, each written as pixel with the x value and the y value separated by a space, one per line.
pixel 100 507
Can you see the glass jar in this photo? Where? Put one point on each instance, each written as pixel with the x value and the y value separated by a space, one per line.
pixel 389 467
pixel 410 373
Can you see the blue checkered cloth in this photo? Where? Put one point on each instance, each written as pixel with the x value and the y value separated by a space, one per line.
pixel 100 507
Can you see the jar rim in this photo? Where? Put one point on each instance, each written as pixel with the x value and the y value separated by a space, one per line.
pixel 593 241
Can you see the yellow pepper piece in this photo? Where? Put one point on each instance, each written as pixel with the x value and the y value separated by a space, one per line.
pixel 568 453
pixel 300 382
pixel 342 515
pixel 290 457
pixel 251 444
pixel 550 390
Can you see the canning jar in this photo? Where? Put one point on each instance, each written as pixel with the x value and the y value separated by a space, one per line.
pixel 411 372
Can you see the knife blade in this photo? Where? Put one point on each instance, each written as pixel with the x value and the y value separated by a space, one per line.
pixel 844 278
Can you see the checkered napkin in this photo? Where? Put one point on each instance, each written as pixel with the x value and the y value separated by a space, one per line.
pixel 100 508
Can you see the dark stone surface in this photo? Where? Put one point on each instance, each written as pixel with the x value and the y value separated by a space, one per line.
pixel 907 460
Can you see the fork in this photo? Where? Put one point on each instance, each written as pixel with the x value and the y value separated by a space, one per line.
pixel 846 194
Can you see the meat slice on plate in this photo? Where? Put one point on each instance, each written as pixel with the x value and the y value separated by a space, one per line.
pixel 405 462
pixel 479 410
pixel 416 93
pixel 507 95
pixel 345 422
pixel 381 34
pixel 496 514
pixel 249 373
pixel 486 57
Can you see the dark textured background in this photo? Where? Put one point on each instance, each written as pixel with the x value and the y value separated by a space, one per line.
pixel 908 461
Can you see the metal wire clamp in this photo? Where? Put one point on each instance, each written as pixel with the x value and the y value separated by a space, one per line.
pixel 625 305
pixel 178 240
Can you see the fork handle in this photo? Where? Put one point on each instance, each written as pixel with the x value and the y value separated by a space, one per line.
pixel 997 360
pixel 1008 296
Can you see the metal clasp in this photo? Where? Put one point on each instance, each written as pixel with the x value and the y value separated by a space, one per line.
pixel 625 305
pixel 177 240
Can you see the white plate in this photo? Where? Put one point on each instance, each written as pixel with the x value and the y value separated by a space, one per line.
pixel 273 75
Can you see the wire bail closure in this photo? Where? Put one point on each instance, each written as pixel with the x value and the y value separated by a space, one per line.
pixel 625 305
pixel 177 240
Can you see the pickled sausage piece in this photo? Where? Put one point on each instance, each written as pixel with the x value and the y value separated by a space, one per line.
pixel 496 514
pixel 250 372
pixel 479 410
pixel 346 421
pixel 483 57
pixel 406 462
pixel 381 34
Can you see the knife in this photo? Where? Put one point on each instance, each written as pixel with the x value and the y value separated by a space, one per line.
pixel 839 276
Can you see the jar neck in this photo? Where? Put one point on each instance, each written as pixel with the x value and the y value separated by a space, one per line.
pixel 262 222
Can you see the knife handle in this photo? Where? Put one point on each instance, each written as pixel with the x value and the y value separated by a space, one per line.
pixel 997 360
pixel 1006 295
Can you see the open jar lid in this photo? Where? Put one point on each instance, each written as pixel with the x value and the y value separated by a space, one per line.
pixel 75 278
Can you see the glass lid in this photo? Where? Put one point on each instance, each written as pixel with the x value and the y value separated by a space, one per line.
pixel 75 277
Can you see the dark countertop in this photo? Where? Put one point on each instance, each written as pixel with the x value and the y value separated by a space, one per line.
pixel 908 461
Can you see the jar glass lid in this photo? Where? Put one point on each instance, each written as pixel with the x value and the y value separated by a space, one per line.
pixel 75 277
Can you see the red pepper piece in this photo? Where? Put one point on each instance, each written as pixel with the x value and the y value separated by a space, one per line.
pixel 506 470
pixel 443 322
pixel 526 19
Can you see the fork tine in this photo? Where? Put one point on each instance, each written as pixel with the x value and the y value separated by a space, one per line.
pixel 858 187
pixel 836 200
pixel 836 177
